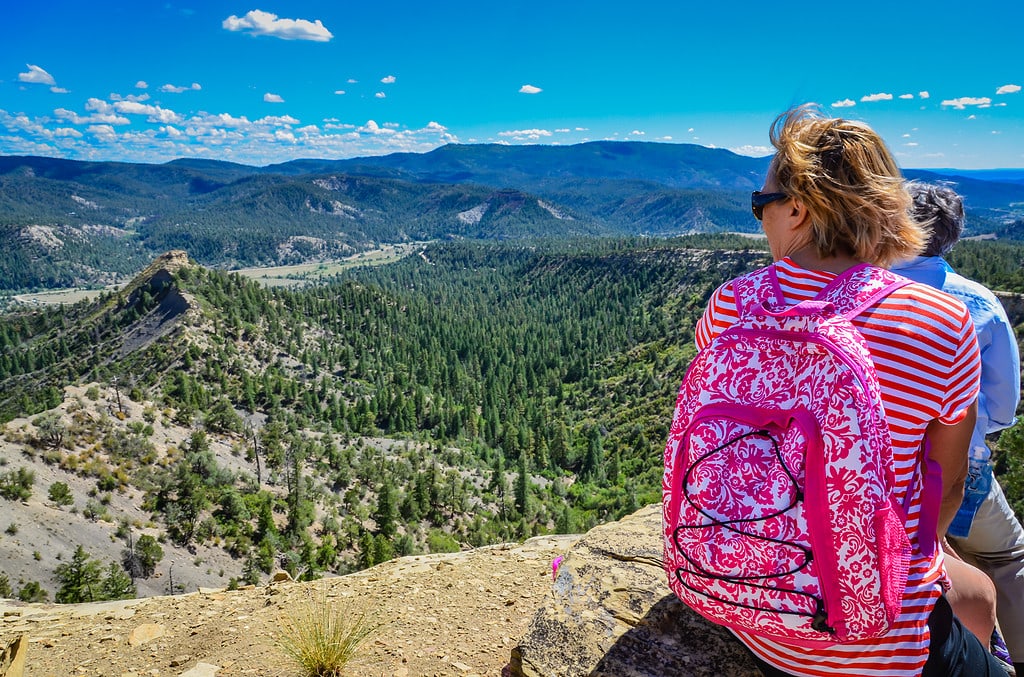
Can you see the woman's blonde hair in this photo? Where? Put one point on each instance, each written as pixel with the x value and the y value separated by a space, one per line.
pixel 854 192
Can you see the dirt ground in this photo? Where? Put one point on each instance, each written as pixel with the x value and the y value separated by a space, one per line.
pixel 456 614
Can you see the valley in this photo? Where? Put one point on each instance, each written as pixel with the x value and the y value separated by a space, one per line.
pixel 425 365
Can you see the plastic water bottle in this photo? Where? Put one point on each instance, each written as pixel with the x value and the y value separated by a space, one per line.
pixel 979 481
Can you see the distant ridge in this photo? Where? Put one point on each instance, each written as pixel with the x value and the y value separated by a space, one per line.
pixel 69 223
pixel 686 166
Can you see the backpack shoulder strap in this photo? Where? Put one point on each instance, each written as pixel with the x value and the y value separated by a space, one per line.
pixel 754 289
pixel 858 288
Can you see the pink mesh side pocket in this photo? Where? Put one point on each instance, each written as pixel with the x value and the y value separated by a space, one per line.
pixel 893 559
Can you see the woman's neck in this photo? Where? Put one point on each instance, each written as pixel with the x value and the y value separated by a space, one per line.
pixel 807 257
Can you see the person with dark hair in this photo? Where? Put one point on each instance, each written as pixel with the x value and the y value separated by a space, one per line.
pixel 985 532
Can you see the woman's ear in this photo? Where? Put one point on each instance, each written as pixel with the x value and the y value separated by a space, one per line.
pixel 798 213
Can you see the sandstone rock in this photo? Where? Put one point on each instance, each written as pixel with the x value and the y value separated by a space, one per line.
pixel 12 658
pixel 146 632
pixel 280 576
pixel 610 613
pixel 201 670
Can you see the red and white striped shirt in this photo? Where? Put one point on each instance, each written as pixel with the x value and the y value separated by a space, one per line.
pixel 927 360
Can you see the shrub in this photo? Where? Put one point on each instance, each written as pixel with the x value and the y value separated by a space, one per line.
pixel 441 541
pixel 60 494
pixel 16 485
pixel 32 592
pixel 321 638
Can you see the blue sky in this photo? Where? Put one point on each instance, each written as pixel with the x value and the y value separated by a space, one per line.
pixel 260 82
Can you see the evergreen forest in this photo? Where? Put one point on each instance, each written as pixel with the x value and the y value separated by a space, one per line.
pixel 469 394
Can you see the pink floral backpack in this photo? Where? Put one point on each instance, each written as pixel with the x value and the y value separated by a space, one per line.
pixel 779 518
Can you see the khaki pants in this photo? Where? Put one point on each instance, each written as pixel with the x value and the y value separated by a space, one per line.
pixel 995 545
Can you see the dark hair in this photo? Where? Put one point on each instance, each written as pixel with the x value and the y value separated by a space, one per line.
pixel 940 210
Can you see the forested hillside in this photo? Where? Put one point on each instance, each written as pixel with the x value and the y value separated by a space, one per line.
pixel 468 394
pixel 527 385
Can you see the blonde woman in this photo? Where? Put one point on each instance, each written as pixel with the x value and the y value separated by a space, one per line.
pixel 834 198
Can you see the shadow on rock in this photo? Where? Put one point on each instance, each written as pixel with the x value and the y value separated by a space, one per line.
pixel 610 614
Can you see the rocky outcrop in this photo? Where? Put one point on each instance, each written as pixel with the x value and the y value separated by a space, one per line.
pixel 610 613
pixel 441 615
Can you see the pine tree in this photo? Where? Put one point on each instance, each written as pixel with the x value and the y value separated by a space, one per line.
pixel 117 584
pixel 387 510
pixel 522 487
pixel 79 579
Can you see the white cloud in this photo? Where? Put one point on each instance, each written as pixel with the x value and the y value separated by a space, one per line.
pixel 844 103
pixel 104 132
pixel 972 117
pixel 924 94
pixel 690 130
pixel 530 89
pixel 272 98
pixel 36 75
pixel 178 90
pixel 438 131
pixel 130 97
pixel 372 127
pixel 380 95
pixel 277 120
pixel 911 144
pixel 525 134
pixel 880 96
pixel 665 138
pixel 752 151
pixel 339 91
pixel 141 84
pixel 352 81
pixel 906 96
pixel 563 130
pixel 58 90
pixel 388 80
pixel 101 135
pixel 637 132
pixel 103 115
pixel 906 136
pixel 259 22
pixel 153 113
pixel 98 105
pixel 963 101
pixel 1008 89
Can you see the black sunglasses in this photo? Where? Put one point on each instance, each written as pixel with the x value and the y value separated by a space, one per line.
pixel 758 200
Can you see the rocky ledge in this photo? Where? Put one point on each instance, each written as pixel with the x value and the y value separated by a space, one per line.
pixel 489 611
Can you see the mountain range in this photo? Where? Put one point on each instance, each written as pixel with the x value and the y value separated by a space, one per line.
pixel 67 223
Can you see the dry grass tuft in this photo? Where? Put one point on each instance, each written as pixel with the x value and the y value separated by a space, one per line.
pixel 322 636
